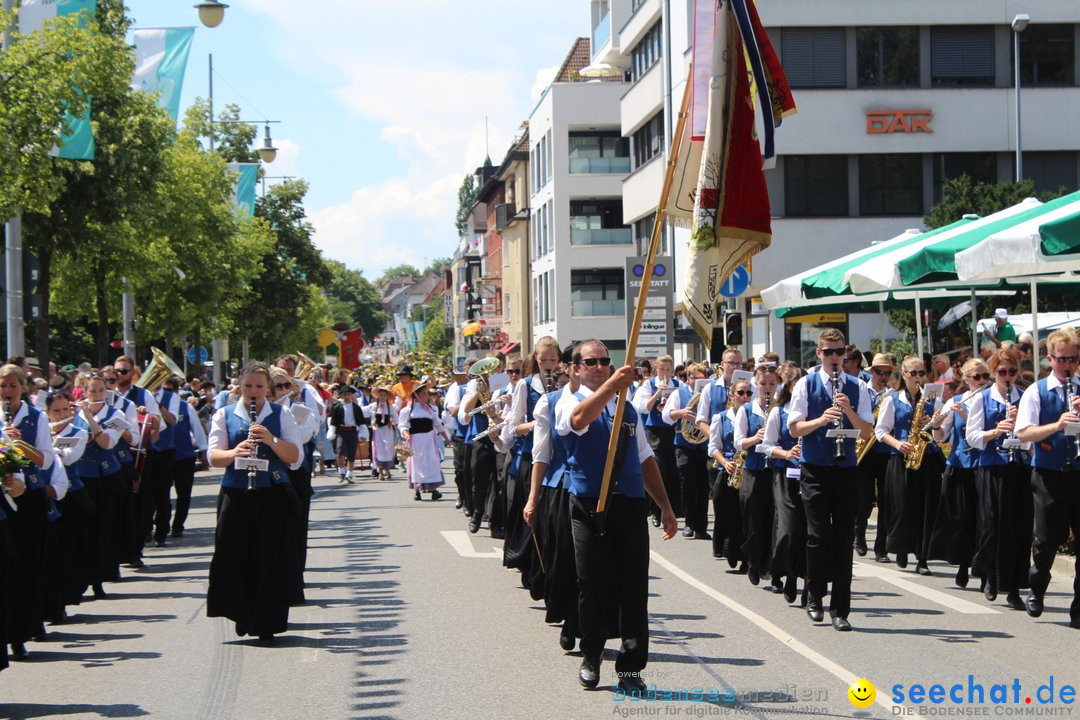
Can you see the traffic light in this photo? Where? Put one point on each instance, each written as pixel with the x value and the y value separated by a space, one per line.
pixel 733 329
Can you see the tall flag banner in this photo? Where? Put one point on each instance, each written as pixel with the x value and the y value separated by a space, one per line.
pixel 246 180
pixel 731 216
pixel 161 56
pixel 77 136
pixel 688 153
pixel 352 342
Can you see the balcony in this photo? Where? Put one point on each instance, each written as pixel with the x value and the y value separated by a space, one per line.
pixel 504 213
pixel 601 34
pixel 597 308
pixel 601 165
pixel 604 236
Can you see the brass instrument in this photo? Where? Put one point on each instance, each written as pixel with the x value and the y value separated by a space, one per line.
pixel 160 369
pixel 862 446
pixel 305 366
pixel 688 427
pixel 253 410
pixel 735 481
pixel 483 369
pixel 918 438
pixel 839 454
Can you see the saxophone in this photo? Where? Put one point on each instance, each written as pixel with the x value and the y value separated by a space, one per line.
pixel 688 426
pixel 862 447
pixel 919 439
pixel 735 481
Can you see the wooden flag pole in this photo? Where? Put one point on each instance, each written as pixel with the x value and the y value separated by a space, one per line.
pixel 639 309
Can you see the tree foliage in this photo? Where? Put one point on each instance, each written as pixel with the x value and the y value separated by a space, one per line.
pixel 467 195
pixel 963 196
pixel 433 338
pixel 396 271
pixel 354 300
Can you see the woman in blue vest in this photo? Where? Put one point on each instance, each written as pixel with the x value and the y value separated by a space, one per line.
pixel 99 471
pixel 788 561
pixel 953 539
pixel 1004 482
pixel 756 494
pixel 254 574
pixel 124 527
pixel 727 534
pixel 29 525
pixel 912 494
pixel 691 459
pixel 77 525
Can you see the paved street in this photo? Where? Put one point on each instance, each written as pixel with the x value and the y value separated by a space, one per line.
pixel 408 616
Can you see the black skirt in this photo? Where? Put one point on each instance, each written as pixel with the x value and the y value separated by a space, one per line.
pixel 7 558
pixel 518 549
pixel 758 517
pixel 727 534
pixel 560 586
pixel 953 536
pixel 105 494
pixel 255 571
pixel 77 560
pixel 1005 521
pixel 29 529
pixel 913 497
pixel 789 544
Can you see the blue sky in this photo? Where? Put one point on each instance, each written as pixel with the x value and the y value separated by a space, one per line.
pixel 382 103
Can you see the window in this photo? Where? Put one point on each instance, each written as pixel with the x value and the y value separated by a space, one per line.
pixel 890 185
pixel 506 306
pixel 887 57
pixel 598 222
pixel 542 307
pixel 816 185
pixel 1047 55
pixel 815 57
pixel 597 292
pixel 548 167
pixel 599 152
pixel 505 251
pixel 980 167
pixel 642 232
pixel 1051 171
pixel 646 143
pixel 645 54
pixel 962 56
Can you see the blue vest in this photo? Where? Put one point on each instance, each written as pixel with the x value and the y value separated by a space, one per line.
pixel 167 433
pixel 879 448
pixel 460 429
pixel 1057 451
pixel 75 482
pixel 237 429
pixel 556 469
pixel 123 450
pixel 96 461
pixel 962 455
pixel 477 424
pixel 29 427
pixel 52 510
pixel 684 399
pixel 754 460
pixel 817 448
pixel 526 441
pixel 786 442
pixel 727 436
pixel 655 418
pixel 718 397
pixel 993 413
pixel 185 446
pixel 586 455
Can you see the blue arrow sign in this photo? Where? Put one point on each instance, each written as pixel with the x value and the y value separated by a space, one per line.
pixel 737 284
pixel 203 355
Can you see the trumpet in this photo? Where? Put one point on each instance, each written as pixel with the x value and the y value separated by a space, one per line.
pixel 254 412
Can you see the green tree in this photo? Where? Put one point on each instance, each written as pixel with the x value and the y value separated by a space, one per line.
pixel 962 196
pixel 354 300
pixel 467 195
pixel 233 140
pixel 433 338
pixel 397 271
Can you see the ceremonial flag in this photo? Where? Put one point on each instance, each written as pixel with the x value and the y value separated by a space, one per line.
pixel 246 180
pixel 77 137
pixel 731 214
pixel 352 342
pixel 161 56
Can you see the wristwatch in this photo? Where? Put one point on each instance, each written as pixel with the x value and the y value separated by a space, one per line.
pixel 273 440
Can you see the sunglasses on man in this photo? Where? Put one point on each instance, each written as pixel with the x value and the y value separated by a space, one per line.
pixel 593 362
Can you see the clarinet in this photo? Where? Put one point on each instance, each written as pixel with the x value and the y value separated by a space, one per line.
pixel 1008 411
pixel 1070 395
pixel 839 455
pixel 549 381
pixel 254 411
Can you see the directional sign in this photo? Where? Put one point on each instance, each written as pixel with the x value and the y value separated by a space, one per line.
pixel 737 284
pixel 656 332
pixel 203 355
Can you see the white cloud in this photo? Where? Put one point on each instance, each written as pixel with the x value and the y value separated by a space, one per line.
pixel 286 162
pixel 544 76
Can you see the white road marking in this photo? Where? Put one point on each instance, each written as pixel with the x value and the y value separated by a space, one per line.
pixel 846 676
pixel 895 577
pixel 459 540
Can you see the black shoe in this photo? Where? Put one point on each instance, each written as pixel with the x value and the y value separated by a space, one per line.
pixel 474 525
pixel 159 543
pixel 814 611
pixel 777 585
pixel 457 505
pixel 99 592
pixel 688 532
pixel 436 495
pixel 267 640
pixel 656 521
pixel 702 535
pixel 841 624
pixel 752 575
pixel 498 534
pixel 589 672
pixel 136 563
pixel 1034 605
pixel 178 532
pixel 990 592
pixel 922 569
pixel 417 496
pixel 731 562
pixel 860 546
pixel 901 560
pixel 1074 622
pixel 566 640
pixel 742 569
pixel 1013 600
pixel 789 589
pixel 18 651
pixel 882 558
pixel 632 684
pixel 962 576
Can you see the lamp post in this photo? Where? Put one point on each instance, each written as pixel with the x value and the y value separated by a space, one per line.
pixel 211 13
pixel 1019 23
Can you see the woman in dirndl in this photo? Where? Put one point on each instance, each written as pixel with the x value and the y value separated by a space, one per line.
pixel 421 428
pixel 384 419
pixel 254 573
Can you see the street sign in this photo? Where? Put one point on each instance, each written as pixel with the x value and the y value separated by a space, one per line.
pixel 737 284
pixel 657 327
pixel 203 355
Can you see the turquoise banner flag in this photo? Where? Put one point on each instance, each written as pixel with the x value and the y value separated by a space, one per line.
pixel 161 56
pixel 246 180
pixel 77 137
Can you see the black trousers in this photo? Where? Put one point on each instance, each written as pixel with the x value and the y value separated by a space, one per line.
pixel 758 515
pixel 662 442
pixel 692 464
pixel 613 567
pixel 159 473
pixel 183 482
pixel 871 487
pixel 727 534
pixel 830 501
pixel 482 457
pixel 1057 508
pixel 461 474
pixel 126 518
pixel 1004 525
pixel 789 542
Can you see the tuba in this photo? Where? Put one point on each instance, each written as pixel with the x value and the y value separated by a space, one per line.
pixel 482 369
pixel 305 366
pixel 688 427
pixel 160 369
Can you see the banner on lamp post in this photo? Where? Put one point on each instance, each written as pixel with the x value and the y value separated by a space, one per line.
pixel 161 56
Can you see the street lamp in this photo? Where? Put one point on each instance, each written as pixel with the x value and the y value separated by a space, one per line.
pixel 211 13
pixel 1019 23
pixel 267 153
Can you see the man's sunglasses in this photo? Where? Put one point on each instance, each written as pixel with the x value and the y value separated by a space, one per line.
pixel 826 352
pixel 593 362
pixel 123 371
pixel 882 373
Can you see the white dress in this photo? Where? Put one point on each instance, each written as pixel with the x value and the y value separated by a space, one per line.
pixel 423 465
pixel 382 443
